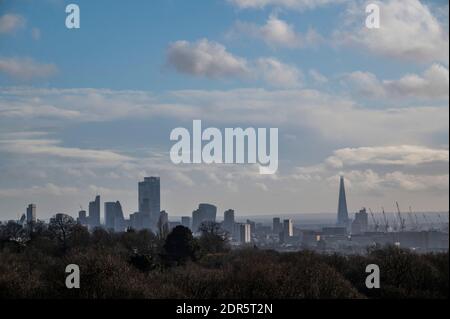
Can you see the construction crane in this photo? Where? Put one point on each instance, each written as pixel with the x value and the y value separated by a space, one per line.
pixel 376 224
pixel 400 218
pixel 386 221
pixel 413 222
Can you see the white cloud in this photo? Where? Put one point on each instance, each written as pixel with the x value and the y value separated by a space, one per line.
pixel 277 33
pixel 210 59
pixel 47 189
pixel 10 23
pixel 26 68
pixel 205 58
pixel 51 148
pixel 381 169
pixel 410 155
pixel 370 181
pixel 290 4
pixel 318 77
pixel 408 31
pixel 329 116
pixel 432 84
pixel 279 74
pixel 366 84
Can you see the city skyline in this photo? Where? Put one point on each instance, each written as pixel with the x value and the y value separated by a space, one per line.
pixel 89 111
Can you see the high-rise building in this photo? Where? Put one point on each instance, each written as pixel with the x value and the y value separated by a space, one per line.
pixel 94 212
pixel 276 226
pixel 186 221
pixel 228 221
pixel 361 222
pixel 163 223
pixel 119 219
pixel 244 233
pixel 82 218
pixel 110 214
pixel 288 228
pixel 252 225
pixel 150 196
pixel 114 219
pixel 195 220
pixel 149 201
pixel 204 213
pixel 342 218
pixel 31 213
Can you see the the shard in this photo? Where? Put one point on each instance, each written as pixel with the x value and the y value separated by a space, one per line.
pixel 342 218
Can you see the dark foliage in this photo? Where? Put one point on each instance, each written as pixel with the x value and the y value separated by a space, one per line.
pixel 142 265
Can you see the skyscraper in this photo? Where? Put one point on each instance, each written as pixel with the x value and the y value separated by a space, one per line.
pixel 163 223
pixel 204 213
pixel 361 222
pixel 186 221
pixel 119 219
pixel 245 233
pixel 31 213
pixel 114 219
pixel 276 225
pixel 228 221
pixel 150 196
pixel 82 218
pixel 150 201
pixel 110 214
pixel 288 228
pixel 94 212
pixel 342 218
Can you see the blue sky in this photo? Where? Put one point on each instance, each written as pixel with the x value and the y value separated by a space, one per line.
pixel 90 110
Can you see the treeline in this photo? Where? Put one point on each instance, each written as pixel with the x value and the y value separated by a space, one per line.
pixel 140 264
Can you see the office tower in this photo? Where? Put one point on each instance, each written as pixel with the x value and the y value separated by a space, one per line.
pixel 31 213
pixel 114 219
pixel 252 225
pixel 228 221
pixel 276 226
pixel 244 233
pixel 186 221
pixel 110 214
pixel 82 218
pixel 208 212
pixel 150 196
pixel 163 223
pixel 22 219
pixel 204 213
pixel 195 220
pixel 94 213
pixel 361 222
pixel 288 228
pixel 342 219
pixel 119 219
pixel 136 221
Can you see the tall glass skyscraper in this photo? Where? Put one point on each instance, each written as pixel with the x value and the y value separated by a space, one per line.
pixel 150 196
pixel 342 218
pixel 94 213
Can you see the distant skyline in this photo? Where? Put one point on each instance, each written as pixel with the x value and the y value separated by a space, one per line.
pixel 88 112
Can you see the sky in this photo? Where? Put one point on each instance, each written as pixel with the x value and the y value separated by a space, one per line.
pixel 89 111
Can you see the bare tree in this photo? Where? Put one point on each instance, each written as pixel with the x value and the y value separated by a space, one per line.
pixel 61 227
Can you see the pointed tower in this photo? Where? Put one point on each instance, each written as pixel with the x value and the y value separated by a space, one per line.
pixel 342 218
